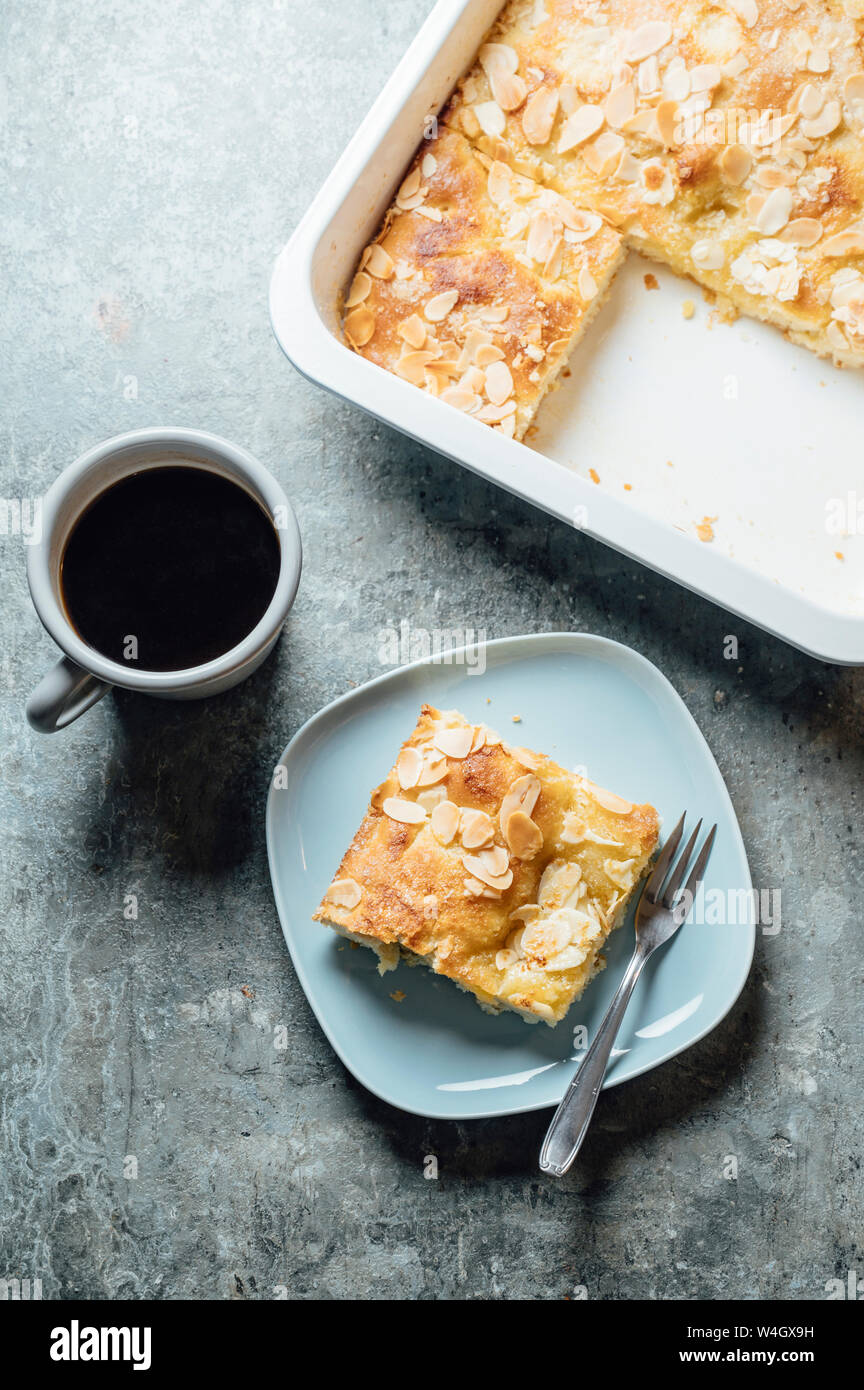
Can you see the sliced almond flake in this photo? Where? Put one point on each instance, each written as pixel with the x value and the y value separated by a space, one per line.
pixel 775 211
pixel 735 65
pixel 620 104
pixel 587 284
pixel 473 381
pixel 432 214
pixel 455 743
pixel 344 892
pixel 538 118
pixel 495 313
pixel 603 154
pixel 379 263
pixel 521 796
pixel 543 235
pixel 499 382
pixel 406 812
pixel 486 354
pixel 676 81
pixel 808 100
pixel 409 765
pixel 746 10
pixel 491 866
pixel 430 908
pixel 648 76
pixel 428 165
pixel 359 326
pixel 803 231
pixel 504 959
pixel 413 331
pixel 412 204
pixel 582 224
pixel 610 801
pixel 445 822
pixel 508 89
pixel 853 87
pixel 459 399
pixel 492 120
pixel 647 39
pixel 772 128
pixel 439 307
pixel 848 243
pixel 500 182
pixel 735 164
pixel 585 122
pixel 628 168
pixel 434 770
pixel 524 837
pixel 819 60
pixel 444 367
pixel 476 829
pixel 360 288
pixel 705 77
pixel 479 739
pixel 497 414
pixel 507 427
pixel 411 366
pixel 410 185
pixel 498 57
pixel 828 120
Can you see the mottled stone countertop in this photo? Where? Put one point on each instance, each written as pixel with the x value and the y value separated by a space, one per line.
pixel 157 158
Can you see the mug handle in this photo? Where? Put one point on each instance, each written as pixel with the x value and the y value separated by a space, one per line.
pixel 63 693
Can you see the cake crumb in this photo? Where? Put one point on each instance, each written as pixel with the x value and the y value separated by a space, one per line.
pixel 593 475
pixel 704 528
pixel 397 995
pixel 651 282
pixel 628 487
pixel 688 308
pixel 517 718
pixel 839 555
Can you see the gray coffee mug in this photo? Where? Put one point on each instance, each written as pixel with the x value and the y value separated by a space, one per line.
pixel 83 675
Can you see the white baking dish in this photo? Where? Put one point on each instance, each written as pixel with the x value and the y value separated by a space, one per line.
pixel 759 434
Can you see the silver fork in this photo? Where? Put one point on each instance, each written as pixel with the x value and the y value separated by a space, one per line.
pixel 660 912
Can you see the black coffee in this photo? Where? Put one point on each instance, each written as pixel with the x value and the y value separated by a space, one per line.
pixel 169 568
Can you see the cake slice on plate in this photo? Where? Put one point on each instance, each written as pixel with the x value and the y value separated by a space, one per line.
pixel 492 865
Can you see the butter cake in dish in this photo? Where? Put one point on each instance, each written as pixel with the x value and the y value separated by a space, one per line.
pixel 724 139
pixel 492 865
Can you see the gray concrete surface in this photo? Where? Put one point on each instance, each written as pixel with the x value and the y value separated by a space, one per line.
pixel 156 158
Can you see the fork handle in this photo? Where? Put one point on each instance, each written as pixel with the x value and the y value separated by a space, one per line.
pixel 573 1116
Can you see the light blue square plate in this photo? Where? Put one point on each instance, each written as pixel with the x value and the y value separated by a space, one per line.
pixel 590 703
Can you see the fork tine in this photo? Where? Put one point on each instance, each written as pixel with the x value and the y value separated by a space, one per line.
pixel 680 868
pixel 658 873
pixel 695 880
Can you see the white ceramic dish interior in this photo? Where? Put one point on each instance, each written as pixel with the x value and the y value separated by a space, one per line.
pixel 436 1052
pixel 700 419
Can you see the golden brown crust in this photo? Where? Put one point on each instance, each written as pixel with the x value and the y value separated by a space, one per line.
pixel 723 139
pixel 548 843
